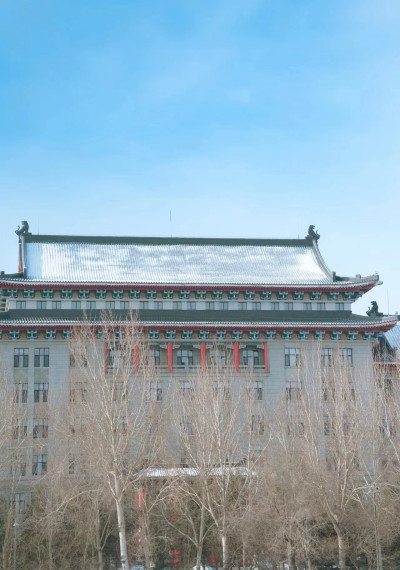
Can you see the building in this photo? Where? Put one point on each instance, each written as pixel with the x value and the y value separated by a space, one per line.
pixel 264 300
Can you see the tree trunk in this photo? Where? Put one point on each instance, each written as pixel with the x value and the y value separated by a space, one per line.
pixel 225 553
pixel 100 564
pixel 342 552
pixel 122 535
pixel 201 538
pixel 291 555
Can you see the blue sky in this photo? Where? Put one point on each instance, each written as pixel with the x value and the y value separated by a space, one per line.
pixel 245 118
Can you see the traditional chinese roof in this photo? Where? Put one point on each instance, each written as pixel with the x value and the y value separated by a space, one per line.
pixel 199 319
pixel 179 262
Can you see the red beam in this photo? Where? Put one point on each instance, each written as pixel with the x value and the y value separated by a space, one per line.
pixel 266 363
pixel 203 355
pixel 169 356
pixel 106 356
pixel 136 358
pixel 236 355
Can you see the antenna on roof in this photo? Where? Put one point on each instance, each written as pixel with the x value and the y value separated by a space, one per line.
pixel 170 221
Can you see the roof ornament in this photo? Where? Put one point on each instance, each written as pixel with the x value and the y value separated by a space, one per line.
pixel 22 230
pixel 373 310
pixel 312 234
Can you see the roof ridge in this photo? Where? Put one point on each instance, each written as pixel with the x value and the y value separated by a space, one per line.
pixel 172 240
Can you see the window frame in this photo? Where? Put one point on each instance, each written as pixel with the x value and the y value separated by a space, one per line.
pixel 41 357
pixel 292 357
pixel 21 356
pixel 41 392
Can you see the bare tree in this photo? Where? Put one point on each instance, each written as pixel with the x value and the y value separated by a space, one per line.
pixel 110 386
pixel 334 434
pixel 217 434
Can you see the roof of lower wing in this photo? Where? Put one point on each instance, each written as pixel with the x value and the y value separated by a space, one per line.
pixel 192 319
pixel 174 261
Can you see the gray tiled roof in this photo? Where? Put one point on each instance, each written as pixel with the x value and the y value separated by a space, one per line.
pixel 172 318
pixel 180 263
pixel 393 338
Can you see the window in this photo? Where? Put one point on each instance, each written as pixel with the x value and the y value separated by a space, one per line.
pixel 41 358
pixel 222 389
pixel 110 305
pixel 292 357
pixel 191 305
pixel 288 306
pixel 223 306
pixel 293 393
pixel 307 306
pixel 119 390
pixel 19 430
pixel 256 306
pixel 339 306
pixel 321 306
pixel 18 466
pixel 158 305
pixel 346 356
pixel 274 306
pixel 75 304
pixel 156 391
pixel 71 466
pixel 21 304
pixel 56 304
pixel 177 305
pixel 218 358
pixel 40 392
pixel 257 425
pixel 21 357
pixel 77 360
pixel 186 389
pixel 184 357
pixel 187 426
pixel 78 391
pixel 39 464
pixel 242 306
pixel 20 501
pixel 143 305
pixel 258 390
pixel 90 305
pixel 40 428
pixel 154 356
pixel 115 357
pixel 210 305
pixel 21 393
pixel 41 304
pixel 326 357
pixel 250 358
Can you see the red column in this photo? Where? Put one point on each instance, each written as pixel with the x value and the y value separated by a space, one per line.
pixel 169 356
pixel 106 356
pixel 140 499
pixel 266 363
pixel 136 359
pixel 203 357
pixel 236 355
